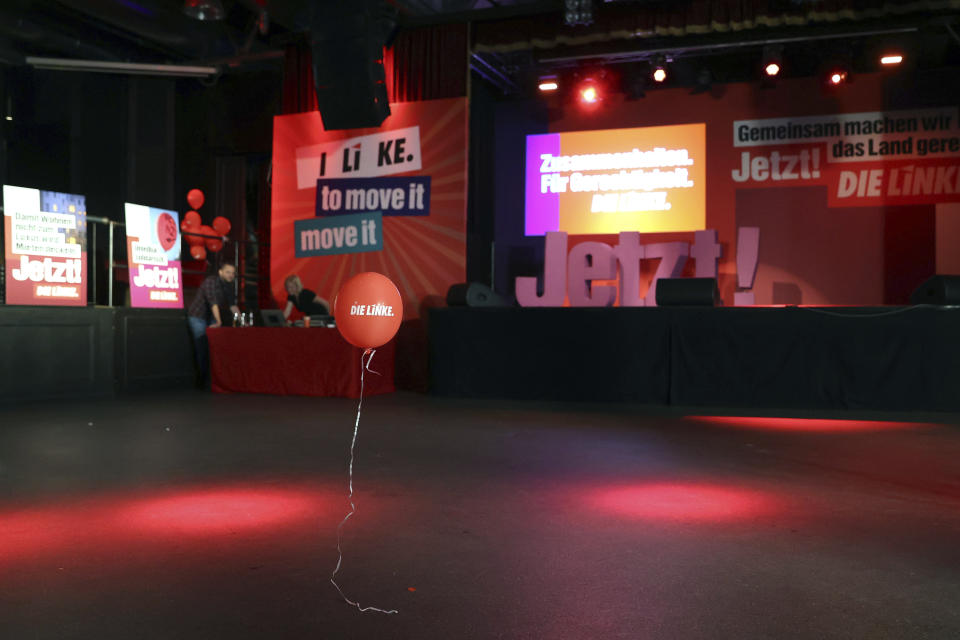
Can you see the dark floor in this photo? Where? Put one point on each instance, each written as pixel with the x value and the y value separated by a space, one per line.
pixel 197 516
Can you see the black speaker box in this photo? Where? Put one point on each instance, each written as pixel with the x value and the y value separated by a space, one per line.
pixel 347 40
pixel 939 289
pixel 473 294
pixel 687 292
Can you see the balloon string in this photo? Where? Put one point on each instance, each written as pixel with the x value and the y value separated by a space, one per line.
pixel 356 425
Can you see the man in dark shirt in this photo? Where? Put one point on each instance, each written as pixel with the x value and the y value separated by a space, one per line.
pixel 215 297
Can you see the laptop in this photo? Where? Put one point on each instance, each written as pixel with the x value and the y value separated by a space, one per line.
pixel 272 318
pixel 322 321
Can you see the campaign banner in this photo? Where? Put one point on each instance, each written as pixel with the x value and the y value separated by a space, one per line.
pixel 390 199
pixel 341 234
pixel 45 247
pixel 153 256
pixel 378 154
pixel 871 158
pixel 643 179
pixel 408 196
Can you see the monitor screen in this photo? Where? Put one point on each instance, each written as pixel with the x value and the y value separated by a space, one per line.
pixel 648 179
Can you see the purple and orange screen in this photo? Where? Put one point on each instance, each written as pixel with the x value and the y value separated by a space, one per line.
pixel 648 179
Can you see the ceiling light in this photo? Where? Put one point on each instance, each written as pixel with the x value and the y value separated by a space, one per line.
pixel 548 83
pixel 130 68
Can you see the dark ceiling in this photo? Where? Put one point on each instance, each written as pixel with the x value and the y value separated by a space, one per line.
pixel 160 32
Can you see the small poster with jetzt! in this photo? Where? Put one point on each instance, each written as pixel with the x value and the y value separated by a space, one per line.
pixel 153 254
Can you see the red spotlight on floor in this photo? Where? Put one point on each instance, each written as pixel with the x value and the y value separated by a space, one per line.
pixel 683 502
pixel 218 511
pixel 809 425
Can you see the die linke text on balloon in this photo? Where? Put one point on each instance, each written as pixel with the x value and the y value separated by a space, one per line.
pixel 628 181
pixel 379 310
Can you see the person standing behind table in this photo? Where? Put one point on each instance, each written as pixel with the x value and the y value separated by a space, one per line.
pixel 214 298
pixel 305 300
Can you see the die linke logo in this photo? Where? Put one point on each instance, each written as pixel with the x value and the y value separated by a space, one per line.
pixel 157 277
pixel 378 154
pixel 371 310
pixel 48 270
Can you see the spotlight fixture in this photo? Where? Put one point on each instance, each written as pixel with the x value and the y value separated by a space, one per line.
pixel 837 77
pixel 204 9
pixel 704 81
pixel 577 12
pixel 633 82
pixel 548 83
pixel 589 94
pixel 772 64
pixel 891 59
pixel 659 69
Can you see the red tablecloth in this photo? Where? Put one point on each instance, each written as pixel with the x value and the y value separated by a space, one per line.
pixel 294 361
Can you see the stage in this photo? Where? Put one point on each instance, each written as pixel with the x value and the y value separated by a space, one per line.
pixel 195 515
pixel 899 358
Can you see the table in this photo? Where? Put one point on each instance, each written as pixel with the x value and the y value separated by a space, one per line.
pixel 294 361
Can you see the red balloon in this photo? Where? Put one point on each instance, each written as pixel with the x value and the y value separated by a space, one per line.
pixel 222 225
pixel 195 198
pixel 167 231
pixel 212 244
pixel 197 252
pixel 191 221
pixel 368 310
pixel 193 240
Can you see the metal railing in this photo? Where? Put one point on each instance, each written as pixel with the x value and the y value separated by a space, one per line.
pixel 243 277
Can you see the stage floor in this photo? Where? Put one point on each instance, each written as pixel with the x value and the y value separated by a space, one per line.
pixel 200 516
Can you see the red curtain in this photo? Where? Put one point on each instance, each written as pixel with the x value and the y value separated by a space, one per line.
pixel 427 63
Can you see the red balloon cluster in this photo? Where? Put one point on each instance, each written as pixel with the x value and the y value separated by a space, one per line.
pixel 193 224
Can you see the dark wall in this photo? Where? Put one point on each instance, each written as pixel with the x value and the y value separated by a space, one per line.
pixel 117 138
pixel 108 137
pixel 51 352
pixel 516 254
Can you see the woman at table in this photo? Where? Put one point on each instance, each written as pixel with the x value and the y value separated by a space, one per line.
pixel 305 301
